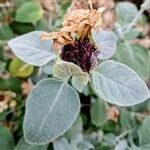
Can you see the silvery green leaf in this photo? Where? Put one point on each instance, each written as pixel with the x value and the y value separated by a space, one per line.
pixel 126 119
pixel 146 4
pixel 48 68
pixel 109 138
pixel 125 12
pixel 132 34
pixel 144 147
pixel 51 109
pixel 144 132
pixel 122 145
pixel 118 84
pixel 76 128
pixel 31 49
pixel 98 113
pixel 77 84
pixel 64 69
pixel 29 12
pixel 85 145
pixel 22 145
pixel 134 56
pixel 106 42
pixel 61 144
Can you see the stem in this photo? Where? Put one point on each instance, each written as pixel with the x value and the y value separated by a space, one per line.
pixel 40 71
pixel 139 114
pixel 90 4
pixel 135 20
pixel 123 134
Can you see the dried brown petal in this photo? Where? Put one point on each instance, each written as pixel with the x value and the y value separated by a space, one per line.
pixel 6 97
pixel 77 20
pixel 59 39
pixel 113 113
pixel 26 87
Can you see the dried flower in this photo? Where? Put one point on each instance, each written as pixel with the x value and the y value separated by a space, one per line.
pixel 73 42
pixel 6 100
pixel 59 39
pixel 113 113
pixel 26 87
pixel 82 21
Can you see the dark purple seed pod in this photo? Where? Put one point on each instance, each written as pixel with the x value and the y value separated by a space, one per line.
pixel 80 53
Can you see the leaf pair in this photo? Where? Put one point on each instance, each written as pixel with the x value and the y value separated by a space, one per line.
pixel 31 49
pixel 53 105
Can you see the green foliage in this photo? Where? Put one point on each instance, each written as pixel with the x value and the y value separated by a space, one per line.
pixel 22 145
pixel 64 70
pixel 105 42
pixel 118 84
pixel 75 129
pixel 5 32
pixel 29 12
pixel 144 132
pixel 126 119
pixel 6 139
pixel 132 34
pixel 31 49
pixel 146 4
pixel 20 69
pixel 21 28
pixel 61 144
pixel 13 84
pixel 134 56
pixel 77 84
pixel 46 120
pixel 2 66
pixel 125 13
pixel 98 113
pixel 52 108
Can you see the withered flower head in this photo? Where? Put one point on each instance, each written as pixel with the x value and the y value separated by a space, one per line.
pixel 76 23
pixel 81 21
pixel 59 39
pixel 7 100
pixel 72 41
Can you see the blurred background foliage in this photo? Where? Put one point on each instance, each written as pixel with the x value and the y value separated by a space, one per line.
pixel 100 126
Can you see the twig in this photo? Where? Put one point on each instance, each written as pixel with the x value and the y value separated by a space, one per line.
pixel 135 20
pixel 124 134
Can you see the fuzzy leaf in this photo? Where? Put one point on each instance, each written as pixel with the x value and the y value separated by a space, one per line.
pixel 116 83
pixel 146 4
pixel 63 69
pixel 132 34
pixel 106 42
pixel 62 144
pixel 77 84
pixel 125 12
pixel 75 129
pixel 126 119
pixel 51 109
pixel 134 56
pixel 144 147
pixel 98 113
pixel 144 132
pixel 22 145
pixel 31 49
